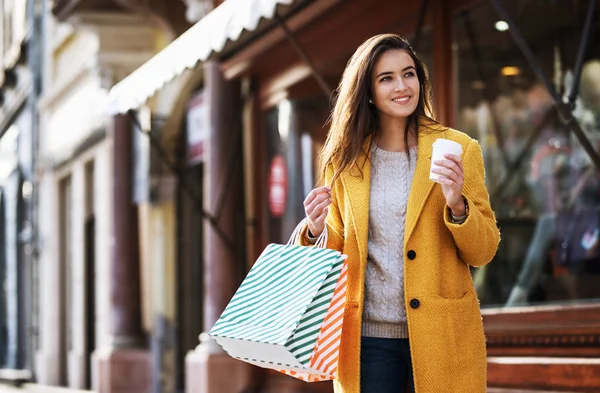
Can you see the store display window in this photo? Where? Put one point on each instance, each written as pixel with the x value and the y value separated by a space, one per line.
pixel 544 187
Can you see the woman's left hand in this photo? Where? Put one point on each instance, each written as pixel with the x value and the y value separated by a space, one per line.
pixel 451 178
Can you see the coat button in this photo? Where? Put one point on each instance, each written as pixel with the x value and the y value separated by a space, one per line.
pixel 411 255
pixel 415 303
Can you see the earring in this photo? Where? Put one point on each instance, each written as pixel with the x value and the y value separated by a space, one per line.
pixel 371 101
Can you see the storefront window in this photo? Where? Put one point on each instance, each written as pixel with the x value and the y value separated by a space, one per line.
pixel 544 188
pixel 295 133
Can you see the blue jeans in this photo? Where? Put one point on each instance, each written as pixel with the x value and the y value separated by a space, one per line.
pixel 385 366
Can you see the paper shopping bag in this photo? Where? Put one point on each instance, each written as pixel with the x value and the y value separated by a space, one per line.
pixel 287 314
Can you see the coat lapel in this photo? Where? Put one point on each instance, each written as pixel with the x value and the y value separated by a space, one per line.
pixel 357 193
pixel 421 185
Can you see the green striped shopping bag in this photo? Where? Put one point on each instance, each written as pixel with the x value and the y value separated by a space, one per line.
pixel 287 314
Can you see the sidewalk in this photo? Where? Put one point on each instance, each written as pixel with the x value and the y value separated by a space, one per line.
pixel 34 388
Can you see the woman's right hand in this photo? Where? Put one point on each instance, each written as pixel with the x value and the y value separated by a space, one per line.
pixel 316 206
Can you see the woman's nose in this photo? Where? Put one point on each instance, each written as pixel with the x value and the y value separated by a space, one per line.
pixel 400 85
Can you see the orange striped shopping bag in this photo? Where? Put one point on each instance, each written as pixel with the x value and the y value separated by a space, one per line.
pixel 288 313
pixel 326 350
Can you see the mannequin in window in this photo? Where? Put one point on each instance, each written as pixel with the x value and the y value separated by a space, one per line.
pixel 562 178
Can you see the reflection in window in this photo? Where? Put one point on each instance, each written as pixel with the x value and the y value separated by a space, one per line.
pixel 424 48
pixel 3 284
pixel 544 188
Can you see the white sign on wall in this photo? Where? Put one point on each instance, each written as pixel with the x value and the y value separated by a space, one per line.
pixel 198 124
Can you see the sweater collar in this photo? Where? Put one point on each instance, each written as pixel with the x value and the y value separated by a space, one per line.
pixel 358 187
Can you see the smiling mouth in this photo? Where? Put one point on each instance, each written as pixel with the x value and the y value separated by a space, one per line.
pixel 401 100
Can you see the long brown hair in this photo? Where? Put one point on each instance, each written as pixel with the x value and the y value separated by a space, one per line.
pixel 353 118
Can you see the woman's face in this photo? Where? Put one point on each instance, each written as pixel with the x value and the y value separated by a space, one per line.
pixel 395 84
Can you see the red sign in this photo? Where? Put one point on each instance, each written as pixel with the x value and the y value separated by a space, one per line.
pixel 278 186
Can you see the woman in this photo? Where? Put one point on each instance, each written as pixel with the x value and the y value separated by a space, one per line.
pixel 409 241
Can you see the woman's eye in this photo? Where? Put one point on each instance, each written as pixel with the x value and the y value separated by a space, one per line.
pixel 409 74
pixel 386 78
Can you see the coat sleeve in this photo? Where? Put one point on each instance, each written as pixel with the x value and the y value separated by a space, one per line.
pixel 478 237
pixel 334 222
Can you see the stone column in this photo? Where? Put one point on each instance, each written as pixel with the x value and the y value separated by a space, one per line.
pixel 47 364
pixel 124 366
pixel 208 368
pixel 126 321
pixel 442 63
pixel 76 370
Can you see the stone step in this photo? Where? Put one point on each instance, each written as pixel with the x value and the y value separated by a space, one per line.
pixel 512 390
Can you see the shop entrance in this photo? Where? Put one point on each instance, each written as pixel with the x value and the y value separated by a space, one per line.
pixel 190 235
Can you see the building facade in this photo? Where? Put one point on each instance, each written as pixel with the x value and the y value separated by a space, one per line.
pixel 159 197
pixel 19 88
pixel 77 214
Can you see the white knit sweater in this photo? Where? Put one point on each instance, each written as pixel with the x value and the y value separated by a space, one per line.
pixel 384 312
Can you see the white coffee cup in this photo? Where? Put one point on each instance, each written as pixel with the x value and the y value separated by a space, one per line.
pixel 440 148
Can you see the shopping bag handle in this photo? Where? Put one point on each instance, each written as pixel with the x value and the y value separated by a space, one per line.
pixel 321 240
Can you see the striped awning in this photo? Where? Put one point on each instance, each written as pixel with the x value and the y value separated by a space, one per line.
pixel 210 35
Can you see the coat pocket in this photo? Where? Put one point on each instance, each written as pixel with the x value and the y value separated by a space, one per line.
pixel 448 344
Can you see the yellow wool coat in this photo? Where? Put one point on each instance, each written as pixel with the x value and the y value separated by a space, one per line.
pixel 444 321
